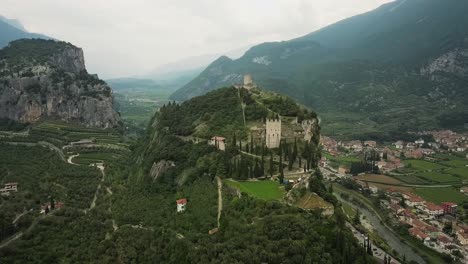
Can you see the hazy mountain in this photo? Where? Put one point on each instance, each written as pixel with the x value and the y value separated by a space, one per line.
pixel 12 29
pixel 13 22
pixel 405 57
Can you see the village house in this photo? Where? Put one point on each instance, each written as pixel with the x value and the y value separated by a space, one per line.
pixel 397 209
pixel 373 189
pixel 414 153
pixel 399 144
pixel 462 238
pixel 411 145
pixel 412 200
pixel 449 208
pixel 47 207
pixel 370 143
pixel 343 170
pixel 419 141
pixel 464 190
pixel 444 241
pixel 433 209
pixel 218 142
pixel 418 234
pixel 181 203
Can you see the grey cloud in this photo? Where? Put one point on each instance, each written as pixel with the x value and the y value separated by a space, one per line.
pixel 131 37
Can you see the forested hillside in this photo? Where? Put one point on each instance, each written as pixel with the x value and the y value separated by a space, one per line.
pixel 133 218
pixel 406 58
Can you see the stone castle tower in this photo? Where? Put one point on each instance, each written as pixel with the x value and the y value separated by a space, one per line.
pixel 273 133
pixel 248 82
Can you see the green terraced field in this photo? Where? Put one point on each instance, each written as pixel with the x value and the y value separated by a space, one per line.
pixel 439 177
pixel 422 165
pixel 439 195
pixel 460 171
pixel 266 190
pixel 95 157
pixel 61 134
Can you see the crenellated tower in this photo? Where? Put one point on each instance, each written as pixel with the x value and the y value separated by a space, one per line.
pixel 273 133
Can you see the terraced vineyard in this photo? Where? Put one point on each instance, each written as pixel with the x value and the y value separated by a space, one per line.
pixel 93 145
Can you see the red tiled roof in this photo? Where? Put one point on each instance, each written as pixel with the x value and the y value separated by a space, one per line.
pixel 444 239
pixel 430 228
pixel 418 233
pixel 181 201
pixel 449 204
pixel 433 207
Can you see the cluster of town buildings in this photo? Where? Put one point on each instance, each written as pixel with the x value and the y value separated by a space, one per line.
pixel 8 188
pixel 389 158
pixel 444 141
pixel 426 221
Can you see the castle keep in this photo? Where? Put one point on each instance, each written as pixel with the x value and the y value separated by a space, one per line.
pixel 273 133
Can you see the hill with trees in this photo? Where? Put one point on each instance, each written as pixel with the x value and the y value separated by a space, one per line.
pixel 135 220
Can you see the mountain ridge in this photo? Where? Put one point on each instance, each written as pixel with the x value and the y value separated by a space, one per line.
pixel 11 29
pixel 386 49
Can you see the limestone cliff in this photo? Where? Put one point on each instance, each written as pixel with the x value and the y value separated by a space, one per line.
pixel 42 79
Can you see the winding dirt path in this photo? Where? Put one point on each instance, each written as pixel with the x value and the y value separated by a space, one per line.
pixel 220 198
pixel 70 159
pixel 15 237
pixel 93 203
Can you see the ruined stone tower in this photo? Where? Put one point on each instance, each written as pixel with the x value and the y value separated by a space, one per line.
pixel 248 82
pixel 273 133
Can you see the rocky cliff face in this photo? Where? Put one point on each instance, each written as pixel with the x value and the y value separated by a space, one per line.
pixel 42 79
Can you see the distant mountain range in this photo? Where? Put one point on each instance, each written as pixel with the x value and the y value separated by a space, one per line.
pixel 12 29
pixel 400 67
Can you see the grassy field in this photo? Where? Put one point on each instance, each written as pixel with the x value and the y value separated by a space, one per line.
pixel 95 157
pixel 266 190
pixel 439 195
pixel 455 162
pixel 460 171
pixel 422 165
pixel 438 177
pixel 312 201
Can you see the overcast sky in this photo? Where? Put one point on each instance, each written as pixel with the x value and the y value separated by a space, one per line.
pixel 132 37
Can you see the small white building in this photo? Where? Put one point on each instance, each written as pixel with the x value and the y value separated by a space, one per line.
pixel 419 141
pixel 9 187
pixel 218 142
pixel 181 203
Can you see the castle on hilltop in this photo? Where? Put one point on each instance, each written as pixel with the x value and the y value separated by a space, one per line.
pixel 273 133
pixel 248 84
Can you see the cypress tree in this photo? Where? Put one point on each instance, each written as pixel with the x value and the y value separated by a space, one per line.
pixel 294 154
pixel 234 140
pixel 272 165
pixel 251 144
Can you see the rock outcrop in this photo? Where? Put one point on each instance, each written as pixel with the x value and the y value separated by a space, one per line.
pixel 46 79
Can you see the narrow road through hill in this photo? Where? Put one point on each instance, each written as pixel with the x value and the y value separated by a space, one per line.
pixel 70 159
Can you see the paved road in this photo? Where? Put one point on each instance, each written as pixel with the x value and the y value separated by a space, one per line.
pixel 378 253
pixel 385 232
